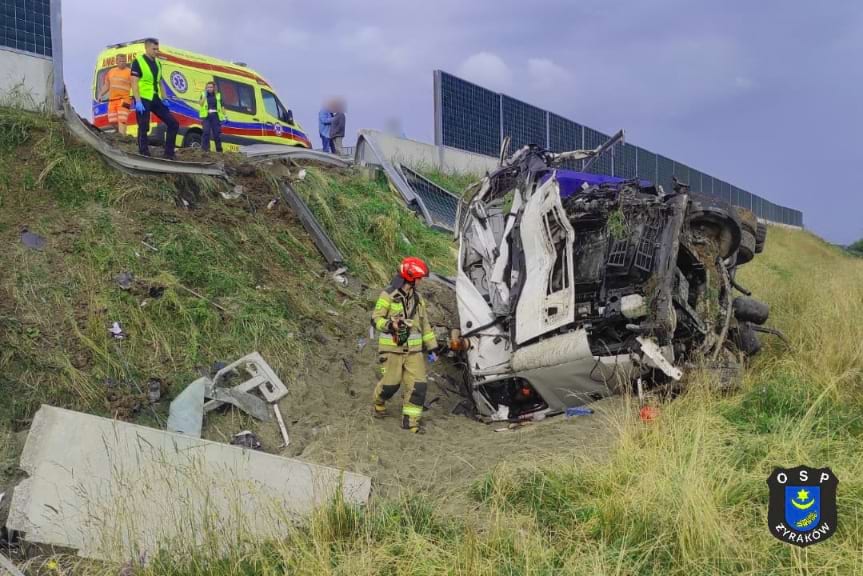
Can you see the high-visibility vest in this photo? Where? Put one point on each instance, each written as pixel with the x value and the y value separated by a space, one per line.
pixel 205 108
pixel 147 85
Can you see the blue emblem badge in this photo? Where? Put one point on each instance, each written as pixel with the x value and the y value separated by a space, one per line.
pixel 178 81
pixel 802 508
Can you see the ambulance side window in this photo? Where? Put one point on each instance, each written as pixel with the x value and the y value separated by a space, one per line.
pixel 270 103
pixel 237 96
pixel 274 107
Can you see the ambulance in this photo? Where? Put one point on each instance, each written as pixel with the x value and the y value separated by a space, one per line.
pixel 255 113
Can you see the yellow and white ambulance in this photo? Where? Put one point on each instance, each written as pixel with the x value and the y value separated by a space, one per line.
pixel 255 114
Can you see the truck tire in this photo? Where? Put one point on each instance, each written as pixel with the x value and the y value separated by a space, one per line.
pixel 747 340
pixel 760 237
pixel 746 252
pixel 748 309
pixel 718 219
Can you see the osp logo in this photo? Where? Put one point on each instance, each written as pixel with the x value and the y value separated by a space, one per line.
pixel 802 507
pixel 178 81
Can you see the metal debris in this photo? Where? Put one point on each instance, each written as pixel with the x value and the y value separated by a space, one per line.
pixel 116 331
pixel 246 439
pixel 282 427
pixel 124 280
pixel 186 415
pixel 154 390
pixel 251 405
pixel 236 193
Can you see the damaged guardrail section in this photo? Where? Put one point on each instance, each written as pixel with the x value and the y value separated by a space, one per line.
pixel 115 491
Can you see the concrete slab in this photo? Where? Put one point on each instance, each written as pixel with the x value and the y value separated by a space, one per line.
pixel 115 491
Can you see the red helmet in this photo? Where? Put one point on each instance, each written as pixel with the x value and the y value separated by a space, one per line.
pixel 412 269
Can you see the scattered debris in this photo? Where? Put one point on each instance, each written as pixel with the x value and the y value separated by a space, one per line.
pixel 361 343
pixel 154 390
pixel 207 300
pixel 282 427
pixel 158 477
pixel 251 405
pixel 272 203
pixel 124 280
pixel 186 414
pixel 301 175
pixel 339 276
pixel 648 413
pixel 236 193
pixel 578 411
pixel 117 331
pixel 349 366
pixel 31 240
pixel 246 439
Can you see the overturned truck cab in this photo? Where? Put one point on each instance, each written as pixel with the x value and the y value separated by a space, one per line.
pixel 572 286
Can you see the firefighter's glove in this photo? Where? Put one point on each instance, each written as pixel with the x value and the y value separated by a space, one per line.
pixel 432 357
pixel 139 106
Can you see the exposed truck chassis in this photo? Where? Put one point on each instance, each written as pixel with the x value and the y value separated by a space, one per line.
pixel 569 292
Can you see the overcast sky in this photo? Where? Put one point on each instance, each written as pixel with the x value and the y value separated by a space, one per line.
pixel 763 94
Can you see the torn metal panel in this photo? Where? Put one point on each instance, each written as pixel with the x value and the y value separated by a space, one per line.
pixel 654 354
pixel 133 163
pixel 186 414
pixel 113 490
pixel 251 405
pixel 323 242
pixel 267 152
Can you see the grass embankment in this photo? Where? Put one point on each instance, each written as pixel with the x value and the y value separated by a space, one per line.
pixel 261 282
pixel 685 494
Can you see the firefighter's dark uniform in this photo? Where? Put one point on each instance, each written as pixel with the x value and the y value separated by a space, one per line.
pixel 402 363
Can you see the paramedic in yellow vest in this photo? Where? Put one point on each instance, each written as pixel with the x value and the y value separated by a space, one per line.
pixel 212 116
pixel 117 86
pixel 147 90
pixel 404 333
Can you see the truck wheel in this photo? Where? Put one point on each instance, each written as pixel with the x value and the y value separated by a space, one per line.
pixel 746 252
pixel 747 340
pixel 192 139
pixel 717 219
pixel 760 237
pixel 748 309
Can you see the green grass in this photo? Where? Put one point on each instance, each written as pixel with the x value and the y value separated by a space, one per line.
pixel 683 495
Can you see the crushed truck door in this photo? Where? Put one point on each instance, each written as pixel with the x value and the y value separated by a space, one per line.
pixel 547 301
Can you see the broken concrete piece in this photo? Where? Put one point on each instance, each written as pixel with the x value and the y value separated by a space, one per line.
pixel 186 415
pixel 6 565
pixel 114 491
pixel 251 405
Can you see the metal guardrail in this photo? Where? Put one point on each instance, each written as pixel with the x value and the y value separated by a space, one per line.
pixel 323 242
pixel 133 163
pixel 442 205
pixel 265 152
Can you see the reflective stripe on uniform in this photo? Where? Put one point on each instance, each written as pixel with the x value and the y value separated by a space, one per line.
pixel 428 337
pixel 382 304
pixel 415 341
pixel 412 411
pixel 381 323
pixel 397 308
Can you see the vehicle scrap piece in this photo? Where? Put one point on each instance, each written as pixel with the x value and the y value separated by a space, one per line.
pixel 322 240
pixel 586 284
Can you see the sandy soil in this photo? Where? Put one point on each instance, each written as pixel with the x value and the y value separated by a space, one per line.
pixel 328 413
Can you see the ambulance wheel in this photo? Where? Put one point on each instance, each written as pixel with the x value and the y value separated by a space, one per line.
pixel 192 139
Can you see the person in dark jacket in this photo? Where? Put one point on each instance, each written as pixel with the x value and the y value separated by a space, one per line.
pixel 325 120
pixel 337 127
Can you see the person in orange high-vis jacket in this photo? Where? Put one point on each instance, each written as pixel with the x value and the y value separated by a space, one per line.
pixel 118 85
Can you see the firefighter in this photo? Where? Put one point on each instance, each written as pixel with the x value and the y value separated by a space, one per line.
pixel 401 319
